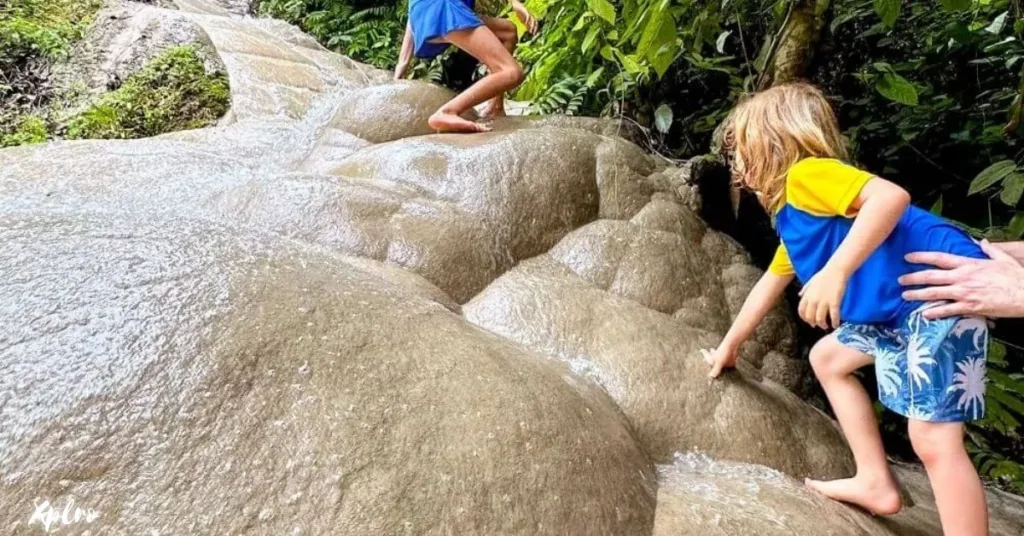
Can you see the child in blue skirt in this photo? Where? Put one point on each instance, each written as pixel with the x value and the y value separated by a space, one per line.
pixel 844 235
pixel 435 24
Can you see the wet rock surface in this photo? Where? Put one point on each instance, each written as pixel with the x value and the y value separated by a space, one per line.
pixel 701 496
pixel 213 380
pixel 320 318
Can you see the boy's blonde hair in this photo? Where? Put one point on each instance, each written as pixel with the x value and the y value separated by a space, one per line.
pixel 774 129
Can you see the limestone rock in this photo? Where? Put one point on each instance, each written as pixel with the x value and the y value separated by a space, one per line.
pixel 391 111
pixel 255 328
pixel 181 377
pixel 701 497
pixel 650 363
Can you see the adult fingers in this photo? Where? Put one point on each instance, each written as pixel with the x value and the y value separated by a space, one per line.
pixel 932 294
pixel 995 253
pixel 948 309
pixel 930 277
pixel 941 260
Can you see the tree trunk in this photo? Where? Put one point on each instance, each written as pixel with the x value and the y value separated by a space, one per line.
pixel 793 48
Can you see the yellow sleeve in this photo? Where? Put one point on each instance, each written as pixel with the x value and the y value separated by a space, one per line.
pixel 824 186
pixel 781 264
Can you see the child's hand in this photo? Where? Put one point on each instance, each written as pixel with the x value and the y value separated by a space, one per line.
pixel 822 297
pixel 525 17
pixel 720 358
pixel 400 70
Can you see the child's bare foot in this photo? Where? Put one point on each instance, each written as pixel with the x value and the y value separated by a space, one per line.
pixel 880 497
pixel 448 122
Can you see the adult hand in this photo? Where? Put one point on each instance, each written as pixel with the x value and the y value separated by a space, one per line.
pixel 992 287
pixel 525 16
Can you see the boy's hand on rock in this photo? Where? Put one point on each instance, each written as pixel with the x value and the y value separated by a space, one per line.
pixel 821 298
pixel 720 358
pixel 400 70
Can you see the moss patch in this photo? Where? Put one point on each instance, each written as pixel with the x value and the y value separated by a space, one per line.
pixel 42 28
pixel 172 92
pixel 30 129
pixel 33 34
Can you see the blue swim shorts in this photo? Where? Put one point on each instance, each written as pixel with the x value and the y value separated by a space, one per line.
pixel 927 370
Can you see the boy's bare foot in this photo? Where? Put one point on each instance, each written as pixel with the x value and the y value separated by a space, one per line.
pixel 880 497
pixel 447 122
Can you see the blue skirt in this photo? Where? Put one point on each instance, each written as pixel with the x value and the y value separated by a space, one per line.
pixel 431 19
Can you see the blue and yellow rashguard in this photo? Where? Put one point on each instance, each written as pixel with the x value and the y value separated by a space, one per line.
pixel 928 370
pixel 815 219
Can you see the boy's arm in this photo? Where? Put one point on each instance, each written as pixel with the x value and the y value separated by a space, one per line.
pixel 879 207
pixel 762 298
pixel 405 54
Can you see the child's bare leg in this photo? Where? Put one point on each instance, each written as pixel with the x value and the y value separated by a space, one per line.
pixel 505 74
pixel 508 35
pixel 958 492
pixel 873 487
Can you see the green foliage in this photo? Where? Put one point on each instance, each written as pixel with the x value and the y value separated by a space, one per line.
pixel 370 32
pixel 887 10
pixel 31 129
pixel 34 33
pixel 1004 412
pixel 615 48
pixel 42 28
pixel 565 96
pixel 172 92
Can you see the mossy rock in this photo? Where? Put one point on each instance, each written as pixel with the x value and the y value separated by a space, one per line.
pixel 172 92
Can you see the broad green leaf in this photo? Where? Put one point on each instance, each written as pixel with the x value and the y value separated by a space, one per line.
pixel 648 40
pixel 580 24
pixel 1013 187
pixel 663 118
pixel 594 77
pixel 631 64
pixel 956 5
pixel 603 9
pixel 607 53
pixel 1016 226
pixel 888 10
pixel 664 58
pixel 937 207
pixel 997 24
pixel 896 88
pixel 588 41
pixel 991 175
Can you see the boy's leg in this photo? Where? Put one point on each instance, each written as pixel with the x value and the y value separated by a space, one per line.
pixel 959 495
pixel 873 487
pixel 504 74
pixel 508 35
